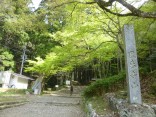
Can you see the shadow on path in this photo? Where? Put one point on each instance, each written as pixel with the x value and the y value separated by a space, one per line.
pixel 57 104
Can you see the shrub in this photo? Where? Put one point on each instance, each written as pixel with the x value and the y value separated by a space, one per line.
pixel 153 88
pixel 98 87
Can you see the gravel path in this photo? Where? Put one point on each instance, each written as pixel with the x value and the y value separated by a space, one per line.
pixel 47 106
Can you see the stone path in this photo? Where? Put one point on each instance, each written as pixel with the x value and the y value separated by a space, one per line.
pixel 52 105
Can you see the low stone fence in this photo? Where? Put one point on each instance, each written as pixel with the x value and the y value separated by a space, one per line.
pixel 121 108
pixel 124 109
pixel 91 111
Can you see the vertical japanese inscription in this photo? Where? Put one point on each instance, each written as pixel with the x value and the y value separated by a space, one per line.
pixel 133 72
pixel 132 65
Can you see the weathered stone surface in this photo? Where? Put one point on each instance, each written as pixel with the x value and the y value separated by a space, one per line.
pixel 137 111
pixel 154 108
pixel 124 109
pixel 114 103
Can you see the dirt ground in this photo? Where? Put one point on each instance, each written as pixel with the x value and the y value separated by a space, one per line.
pixel 58 104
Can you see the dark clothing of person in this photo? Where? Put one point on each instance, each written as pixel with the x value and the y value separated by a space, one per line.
pixel 71 90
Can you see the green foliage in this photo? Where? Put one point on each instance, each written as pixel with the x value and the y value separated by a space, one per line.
pixel 104 85
pixel 60 39
pixel 79 45
pixel 19 26
pixel 36 65
pixel 153 88
pixel 6 59
pixel 153 85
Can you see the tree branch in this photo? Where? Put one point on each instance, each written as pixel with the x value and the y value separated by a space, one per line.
pixel 103 5
pixel 74 2
pixel 134 11
pixel 94 49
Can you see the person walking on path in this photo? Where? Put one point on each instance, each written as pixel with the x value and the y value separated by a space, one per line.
pixel 71 89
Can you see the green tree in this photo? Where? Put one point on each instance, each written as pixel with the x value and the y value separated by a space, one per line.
pixel 6 59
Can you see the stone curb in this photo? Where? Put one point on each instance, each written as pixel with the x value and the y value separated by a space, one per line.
pixel 4 105
pixel 66 96
pixel 91 111
pixel 10 102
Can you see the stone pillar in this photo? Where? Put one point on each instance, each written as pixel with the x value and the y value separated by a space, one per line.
pixel 132 65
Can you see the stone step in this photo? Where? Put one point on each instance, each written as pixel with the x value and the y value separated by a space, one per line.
pixel 77 89
pixel 4 105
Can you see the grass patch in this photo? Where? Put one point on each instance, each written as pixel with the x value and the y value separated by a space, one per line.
pixel 149 98
pixel 11 92
pixel 15 95
pixel 100 105
pixel 12 98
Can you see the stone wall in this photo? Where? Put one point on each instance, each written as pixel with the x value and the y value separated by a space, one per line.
pixel 124 109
